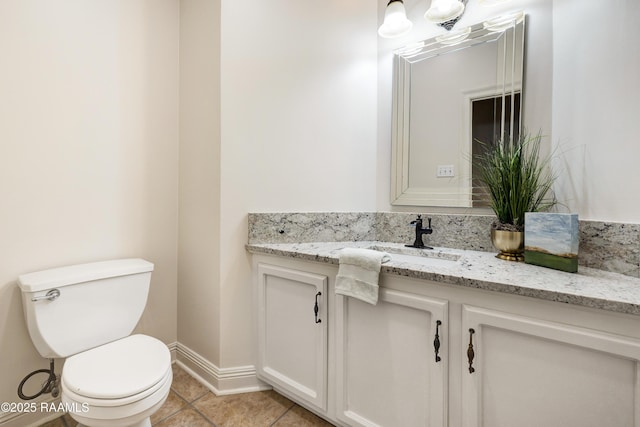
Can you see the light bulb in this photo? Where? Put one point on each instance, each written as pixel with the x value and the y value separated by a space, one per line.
pixel 444 10
pixel 395 22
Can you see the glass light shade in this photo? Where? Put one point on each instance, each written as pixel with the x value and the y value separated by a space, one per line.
pixel 444 10
pixel 395 22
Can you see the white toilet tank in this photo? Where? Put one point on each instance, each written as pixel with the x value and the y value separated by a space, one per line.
pixel 96 303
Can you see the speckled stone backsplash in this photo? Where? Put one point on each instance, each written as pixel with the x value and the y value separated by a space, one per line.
pixel 469 232
pixel 304 227
pixel 606 246
pixel 610 246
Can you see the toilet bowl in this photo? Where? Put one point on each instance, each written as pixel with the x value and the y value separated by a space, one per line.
pixel 86 314
pixel 117 384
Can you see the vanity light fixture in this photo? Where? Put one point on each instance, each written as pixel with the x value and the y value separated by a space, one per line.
pixel 444 13
pixel 395 22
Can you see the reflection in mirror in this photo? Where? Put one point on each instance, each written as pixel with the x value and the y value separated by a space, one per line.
pixel 449 91
pixel 486 128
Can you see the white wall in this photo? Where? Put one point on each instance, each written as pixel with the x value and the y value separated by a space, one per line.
pixel 199 231
pixel 582 62
pixel 277 113
pixel 298 91
pixel 88 152
pixel 596 95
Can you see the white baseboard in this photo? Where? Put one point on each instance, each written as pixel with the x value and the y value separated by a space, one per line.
pixel 221 381
pixel 173 349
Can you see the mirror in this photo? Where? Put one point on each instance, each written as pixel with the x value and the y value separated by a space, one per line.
pixel 449 91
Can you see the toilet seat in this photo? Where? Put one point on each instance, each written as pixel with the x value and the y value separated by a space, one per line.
pixel 117 373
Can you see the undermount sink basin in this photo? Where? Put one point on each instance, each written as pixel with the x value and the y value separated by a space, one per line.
pixel 415 255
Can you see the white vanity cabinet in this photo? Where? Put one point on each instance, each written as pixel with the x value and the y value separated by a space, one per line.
pixel 390 364
pixel 531 372
pixel 292 332
pixel 535 362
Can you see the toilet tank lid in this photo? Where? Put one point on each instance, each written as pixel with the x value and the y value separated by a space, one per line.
pixel 63 276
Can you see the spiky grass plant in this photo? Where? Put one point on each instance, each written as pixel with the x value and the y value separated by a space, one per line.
pixel 516 179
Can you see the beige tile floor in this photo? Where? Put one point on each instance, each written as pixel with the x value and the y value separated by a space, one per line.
pixel 190 404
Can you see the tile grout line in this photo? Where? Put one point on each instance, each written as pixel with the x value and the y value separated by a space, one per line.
pixel 210 421
pixel 189 405
pixel 282 416
pixel 203 416
pixel 174 413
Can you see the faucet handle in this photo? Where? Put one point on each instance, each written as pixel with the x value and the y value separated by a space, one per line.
pixel 429 222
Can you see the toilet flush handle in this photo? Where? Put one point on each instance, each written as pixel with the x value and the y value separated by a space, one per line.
pixel 51 295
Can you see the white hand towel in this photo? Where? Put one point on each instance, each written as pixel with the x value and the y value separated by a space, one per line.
pixel 358 273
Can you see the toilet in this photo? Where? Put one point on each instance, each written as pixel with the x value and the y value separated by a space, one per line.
pixel 86 314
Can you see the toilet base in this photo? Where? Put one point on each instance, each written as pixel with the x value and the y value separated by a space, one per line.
pixel 144 423
pixel 123 422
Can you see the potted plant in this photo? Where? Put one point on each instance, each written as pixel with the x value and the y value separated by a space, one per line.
pixel 516 180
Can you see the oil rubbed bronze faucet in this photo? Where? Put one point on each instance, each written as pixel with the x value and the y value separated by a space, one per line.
pixel 420 232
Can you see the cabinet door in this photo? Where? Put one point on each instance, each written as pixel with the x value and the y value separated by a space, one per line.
pixel 387 373
pixel 292 349
pixel 531 372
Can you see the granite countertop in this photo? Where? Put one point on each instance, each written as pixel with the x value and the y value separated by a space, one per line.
pixel 482 270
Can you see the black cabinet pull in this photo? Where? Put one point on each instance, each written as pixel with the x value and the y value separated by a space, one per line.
pixel 470 353
pixel 315 308
pixel 436 341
